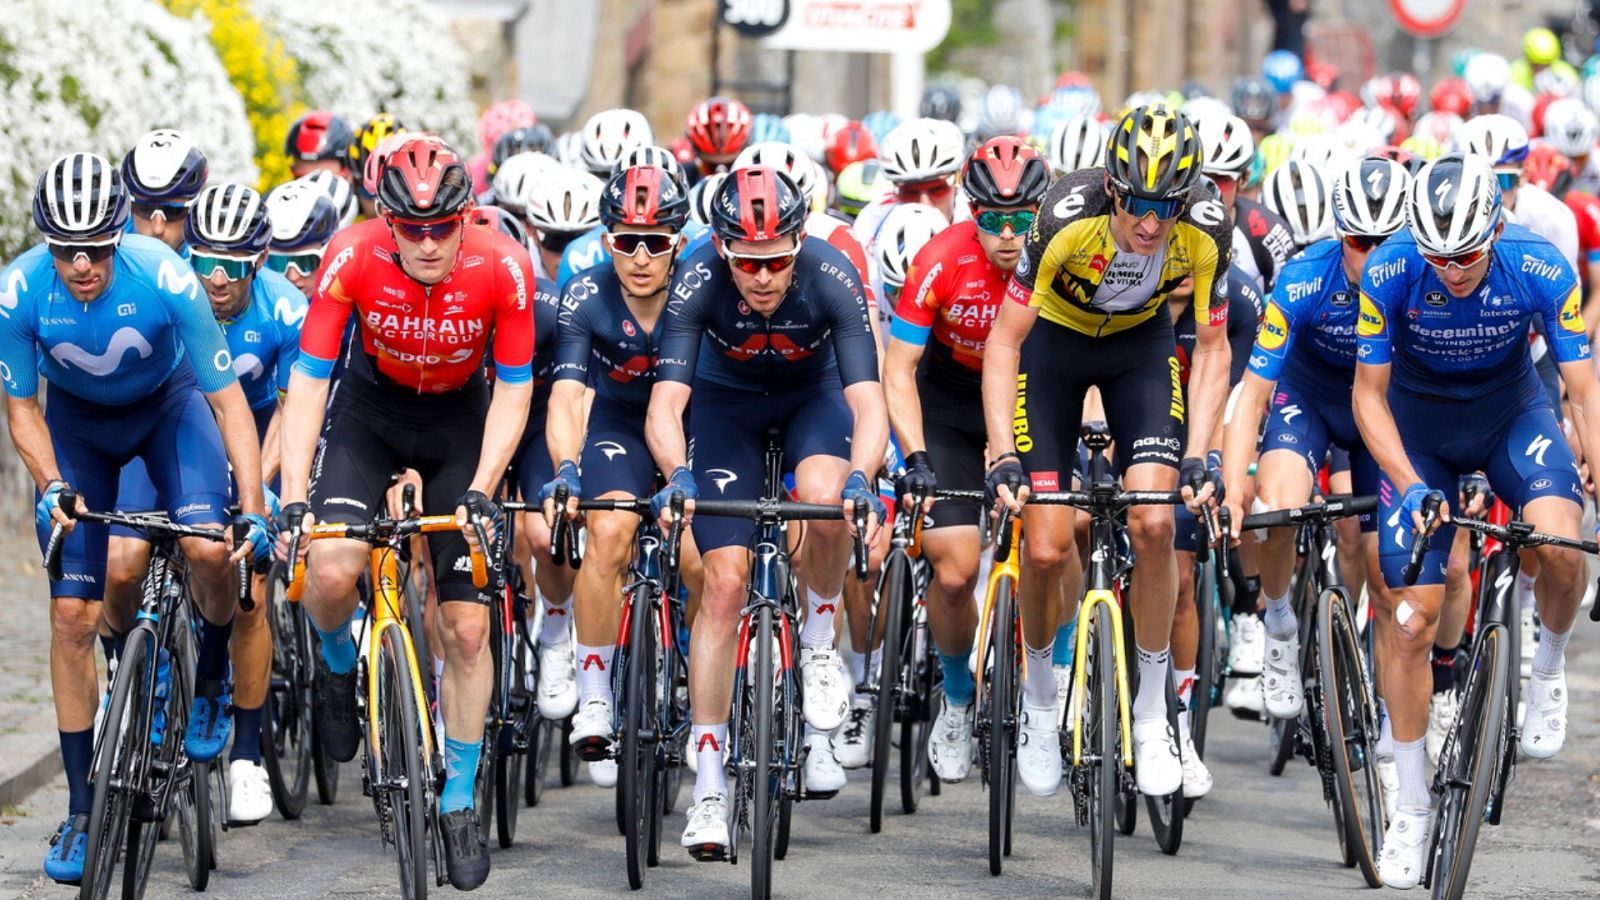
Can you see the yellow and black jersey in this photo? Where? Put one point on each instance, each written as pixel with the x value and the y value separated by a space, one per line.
pixel 1072 272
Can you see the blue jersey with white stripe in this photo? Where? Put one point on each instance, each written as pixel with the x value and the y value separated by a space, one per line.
pixel 264 337
pixel 1313 308
pixel 119 347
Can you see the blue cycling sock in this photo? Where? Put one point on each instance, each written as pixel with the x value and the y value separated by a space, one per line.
pixel 461 772
pixel 338 649
pixel 246 735
pixel 77 752
pixel 958 687
pixel 212 664
pixel 1066 640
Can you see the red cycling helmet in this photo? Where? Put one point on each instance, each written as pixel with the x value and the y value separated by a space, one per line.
pixel 758 203
pixel 1400 91
pixel 850 143
pixel 1451 95
pixel 719 126
pixel 644 195
pixel 424 180
pixel 319 136
pixel 1322 74
pixel 1005 171
pixel 1548 168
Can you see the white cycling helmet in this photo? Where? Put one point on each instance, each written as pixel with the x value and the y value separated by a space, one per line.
pixel 569 150
pixel 302 215
pixel 1378 119
pixel 1327 153
pixel 805 132
pixel 1000 112
pixel 1571 127
pixel 610 134
pixel 516 177
pixel 1198 109
pixel 1500 139
pixel 905 229
pixel 565 201
pixel 164 166
pixel 1454 204
pixel 1369 198
pixel 1360 137
pixel 922 150
pixel 1556 82
pixel 1226 144
pixel 701 195
pixel 1487 75
pixel 1077 143
pixel 786 158
pixel 340 192
pixel 651 155
pixel 1439 126
pixel 1298 191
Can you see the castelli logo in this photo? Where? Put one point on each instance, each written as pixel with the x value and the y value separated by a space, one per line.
pixel 628 329
pixel 744 308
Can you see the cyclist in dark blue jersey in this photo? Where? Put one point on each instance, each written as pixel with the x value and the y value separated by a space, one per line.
pixel 1444 387
pixel 163 173
pixel 765 328
pixel 137 368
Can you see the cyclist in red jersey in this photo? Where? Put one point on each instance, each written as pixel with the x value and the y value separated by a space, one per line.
pixel 953 293
pixel 1549 169
pixel 428 294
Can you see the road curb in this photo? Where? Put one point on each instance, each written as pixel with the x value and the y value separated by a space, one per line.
pixel 30 756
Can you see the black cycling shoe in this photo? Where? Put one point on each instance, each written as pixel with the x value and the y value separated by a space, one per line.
pixel 466 853
pixel 336 713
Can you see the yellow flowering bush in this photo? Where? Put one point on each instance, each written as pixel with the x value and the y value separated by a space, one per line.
pixel 262 71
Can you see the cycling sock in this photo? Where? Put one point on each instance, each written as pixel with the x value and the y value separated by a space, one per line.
pixel 1151 701
pixel 1244 602
pixel 1444 669
pixel 1524 591
pixel 557 620
pixel 959 688
pixel 1411 759
pixel 1279 618
pixel 212 662
pixel 1039 685
pixel 1385 732
pixel 77 752
pixel 1065 646
pixel 594 670
pixel 246 735
pixel 338 649
pixel 818 630
pixel 460 774
pixel 875 661
pixel 1550 659
pixel 1186 688
pixel 707 741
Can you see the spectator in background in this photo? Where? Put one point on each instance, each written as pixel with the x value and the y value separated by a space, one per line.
pixel 1289 25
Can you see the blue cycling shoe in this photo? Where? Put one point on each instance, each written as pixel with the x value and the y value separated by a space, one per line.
pixel 64 862
pixel 210 722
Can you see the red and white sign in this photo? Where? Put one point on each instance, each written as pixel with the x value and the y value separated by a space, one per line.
pixel 864 26
pixel 1427 18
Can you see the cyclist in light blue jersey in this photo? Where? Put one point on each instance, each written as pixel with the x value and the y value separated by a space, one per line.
pixel 137 368
pixel 1445 386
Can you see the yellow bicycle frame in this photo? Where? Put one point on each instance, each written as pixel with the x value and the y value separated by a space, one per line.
pixel 1080 678
pixel 1003 568
pixel 385 614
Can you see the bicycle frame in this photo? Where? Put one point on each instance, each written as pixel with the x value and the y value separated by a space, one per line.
pixel 1100 593
pixel 1005 567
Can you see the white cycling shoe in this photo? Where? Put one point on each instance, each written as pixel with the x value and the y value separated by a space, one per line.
pixel 1404 859
pixel 591 730
pixel 1039 751
pixel 1243 697
pixel 1441 715
pixel 826 696
pixel 852 743
pixel 1281 689
pixel 824 775
pixel 1196 776
pixel 249 793
pixel 1544 724
pixel 706 835
pixel 1248 648
pixel 950 743
pixel 1157 767
pixel 558 686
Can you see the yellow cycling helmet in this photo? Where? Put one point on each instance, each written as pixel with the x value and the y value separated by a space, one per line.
pixel 369 136
pixel 1154 153
pixel 1541 46
pixel 1423 146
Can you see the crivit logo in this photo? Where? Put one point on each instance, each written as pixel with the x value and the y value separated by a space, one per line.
pixel 1542 268
pixel 1382 272
pixel 1303 288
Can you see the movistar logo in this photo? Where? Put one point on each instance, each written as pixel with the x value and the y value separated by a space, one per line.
pixel 16 284
pixel 184 283
pixel 102 364
pixel 248 365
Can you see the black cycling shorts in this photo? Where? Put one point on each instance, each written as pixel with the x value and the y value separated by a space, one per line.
pixel 374 431
pixel 1137 373
pixel 953 429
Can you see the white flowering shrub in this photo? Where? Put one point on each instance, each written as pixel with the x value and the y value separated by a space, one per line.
pixel 359 57
pixel 64 88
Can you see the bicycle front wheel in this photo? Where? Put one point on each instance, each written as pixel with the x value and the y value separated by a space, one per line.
pixel 636 788
pixel 923 666
pixel 893 601
pixel 120 755
pixel 1352 723
pixel 1470 761
pixel 1001 710
pixel 286 745
pixel 1100 732
pixel 765 772
pixel 402 770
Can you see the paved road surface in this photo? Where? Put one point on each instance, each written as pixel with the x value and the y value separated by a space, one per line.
pixel 1256 836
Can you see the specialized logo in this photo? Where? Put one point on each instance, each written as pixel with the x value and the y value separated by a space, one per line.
pixel 1274 329
pixel 722 478
pixel 593 660
pixel 248 365
pixel 1289 412
pixel 1370 323
pixel 1537 448
pixel 102 364
pixel 611 449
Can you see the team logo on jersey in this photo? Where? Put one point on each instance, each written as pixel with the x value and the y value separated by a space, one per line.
pixel 1274 329
pixel 104 363
pixel 1435 299
pixel 628 329
pixel 744 308
pixel 1370 323
pixel 18 282
pixel 1340 299
pixel 1571 315
pixel 1208 213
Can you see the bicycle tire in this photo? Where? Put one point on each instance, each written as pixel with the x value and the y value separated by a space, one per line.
pixel 1351 717
pixel 324 769
pixel 414 583
pixel 1000 750
pixel 789 736
pixel 569 760
pixel 541 738
pixel 1470 762
pixel 893 601
pixel 636 775
pixel 180 796
pixel 1167 812
pixel 510 769
pixel 1127 800
pixel 486 776
pixel 286 745
pixel 400 727
pixel 1208 669
pixel 915 774
pixel 764 775
pixel 1100 738
pixel 115 760
pixel 200 840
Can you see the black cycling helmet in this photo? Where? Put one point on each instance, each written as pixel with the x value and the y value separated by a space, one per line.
pixel 941 101
pixel 643 196
pixel 1154 153
pixel 319 136
pixel 532 139
pixel 1005 171
pixel 758 203
pixel 1253 98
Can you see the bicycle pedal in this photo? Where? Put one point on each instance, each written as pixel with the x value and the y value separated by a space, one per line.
pixel 818 795
pixel 593 750
pixel 709 853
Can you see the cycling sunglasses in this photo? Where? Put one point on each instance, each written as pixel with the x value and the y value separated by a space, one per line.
pixel 557 241
pixel 93 251
pixel 628 243
pixel 233 267
pixel 1362 243
pixel 437 229
pixel 1461 260
pixel 994 222
pixel 939 187
pixel 172 212
pixel 1139 207
pixel 304 262
pixel 1509 180
pixel 750 265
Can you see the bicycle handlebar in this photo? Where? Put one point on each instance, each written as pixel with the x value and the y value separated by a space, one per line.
pixel 1338 506
pixel 150 524
pixel 1518 535
pixel 384 531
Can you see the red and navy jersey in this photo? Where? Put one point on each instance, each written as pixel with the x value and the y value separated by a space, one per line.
pixel 601 343
pixel 953 293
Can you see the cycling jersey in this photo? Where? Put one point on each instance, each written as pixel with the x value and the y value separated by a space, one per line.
pixel 264 338
pixel 1072 272
pixel 1314 307
pixel 1262 242
pixel 532 458
pixel 953 293
pixel 601 344
pixel 118 348
pixel 820 327
pixel 1541 213
pixel 1586 210
pixel 426 338
pixel 1244 313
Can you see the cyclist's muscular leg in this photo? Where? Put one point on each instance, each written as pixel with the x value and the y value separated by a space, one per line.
pixel 597 590
pixel 468 668
pixel 858 597
pixel 73 624
pixel 1051 576
pixel 1407 675
pixel 1352 562
pixel 251 650
pixel 211 576
pixel 127 559
pixel 1185 620
pixel 1282 482
pixel 1155 580
pixel 1561 572
pixel 953 553
pixel 819 479
pixel 1457 593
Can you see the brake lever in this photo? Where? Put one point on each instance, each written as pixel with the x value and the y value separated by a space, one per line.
pixel 241 535
pixel 859 550
pixel 68 503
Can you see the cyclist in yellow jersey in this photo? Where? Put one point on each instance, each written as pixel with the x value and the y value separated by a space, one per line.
pixel 1110 245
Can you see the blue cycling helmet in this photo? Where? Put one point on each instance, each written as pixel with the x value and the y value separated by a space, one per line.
pixel 164 166
pixel 1283 69
pixel 880 122
pixel 228 218
pixel 768 127
pixel 80 197
pixel 302 215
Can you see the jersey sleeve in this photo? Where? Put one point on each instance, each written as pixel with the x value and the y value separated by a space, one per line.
pixel 1272 343
pixel 202 336
pixel 1382 287
pixel 854 347
pixel 18 337
pixel 288 312
pixel 842 240
pixel 322 333
pixel 689 298
pixel 574 339
pixel 921 296
pixel 513 313
pixel 1211 251
pixel 1242 318
pixel 1559 299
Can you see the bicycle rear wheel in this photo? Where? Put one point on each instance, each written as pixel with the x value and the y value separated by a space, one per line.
pixel 286 746
pixel 1001 710
pixel 923 665
pixel 1100 748
pixel 122 763
pixel 195 800
pixel 1208 662
pixel 1166 813
pixel 324 770
pixel 637 776
pixel 1352 723
pixel 402 770
pixel 1470 761
pixel 893 602
pixel 542 736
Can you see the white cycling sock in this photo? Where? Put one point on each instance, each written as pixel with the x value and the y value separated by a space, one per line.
pixel 706 742
pixel 818 629
pixel 557 627
pixel 1385 732
pixel 594 671
pixel 1151 701
pixel 1550 659
pixel 1039 685
pixel 1186 687
pixel 1279 618
pixel 1524 591
pixel 1411 760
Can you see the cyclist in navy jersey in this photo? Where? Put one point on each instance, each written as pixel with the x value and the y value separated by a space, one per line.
pixel 1444 387
pixel 765 328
